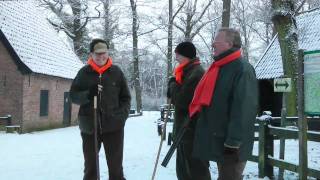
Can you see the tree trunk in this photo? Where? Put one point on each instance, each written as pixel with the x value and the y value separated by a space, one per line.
pixel 284 23
pixel 169 53
pixel 136 78
pixel 107 23
pixel 226 13
pixel 78 45
pixel 267 33
pixel 246 42
pixel 187 34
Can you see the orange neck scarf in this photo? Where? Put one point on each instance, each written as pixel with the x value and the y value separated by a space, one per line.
pixel 178 72
pixel 98 69
pixel 205 89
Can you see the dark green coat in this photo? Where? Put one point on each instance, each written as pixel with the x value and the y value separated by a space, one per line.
pixel 182 94
pixel 115 98
pixel 230 117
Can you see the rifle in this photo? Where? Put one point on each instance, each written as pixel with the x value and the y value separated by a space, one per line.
pixel 175 144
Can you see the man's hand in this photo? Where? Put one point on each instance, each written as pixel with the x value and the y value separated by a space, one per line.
pixel 230 151
pixel 93 90
pixel 100 87
pixel 231 154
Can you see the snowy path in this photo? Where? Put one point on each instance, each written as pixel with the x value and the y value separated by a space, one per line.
pixel 57 154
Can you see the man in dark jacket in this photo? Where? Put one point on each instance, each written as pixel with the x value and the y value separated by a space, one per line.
pixel 113 109
pixel 226 102
pixel 180 91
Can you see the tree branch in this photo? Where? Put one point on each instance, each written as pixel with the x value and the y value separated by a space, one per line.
pixel 201 26
pixel 147 32
pixel 179 27
pixel 202 13
pixel 71 35
pixel 176 13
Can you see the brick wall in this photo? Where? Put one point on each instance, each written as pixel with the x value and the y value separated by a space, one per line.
pixel 20 96
pixel 32 85
pixel 10 87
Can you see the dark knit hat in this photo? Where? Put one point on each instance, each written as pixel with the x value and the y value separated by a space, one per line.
pixel 186 49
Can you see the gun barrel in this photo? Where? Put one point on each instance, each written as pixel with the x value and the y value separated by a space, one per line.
pixel 173 147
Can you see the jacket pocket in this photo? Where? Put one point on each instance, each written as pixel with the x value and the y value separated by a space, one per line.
pixel 85 124
pixel 112 121
pixel 119 115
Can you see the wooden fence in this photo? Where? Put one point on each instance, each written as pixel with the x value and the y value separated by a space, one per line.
pixel 266 160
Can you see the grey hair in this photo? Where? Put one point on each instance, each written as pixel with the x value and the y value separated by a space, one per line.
pixel 232 36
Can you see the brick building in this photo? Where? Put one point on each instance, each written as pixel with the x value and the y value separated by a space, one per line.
pixel 36 69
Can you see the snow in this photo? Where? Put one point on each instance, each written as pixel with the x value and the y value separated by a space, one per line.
pixel 270 64
pixel 35 41
pixel 57 154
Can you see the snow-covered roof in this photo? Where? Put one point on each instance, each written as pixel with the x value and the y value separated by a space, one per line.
pixel 270 64
pixel 34 40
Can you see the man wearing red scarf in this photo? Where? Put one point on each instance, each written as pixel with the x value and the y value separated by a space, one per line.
pixel 226 102
pixel 113 109
pixel 180 90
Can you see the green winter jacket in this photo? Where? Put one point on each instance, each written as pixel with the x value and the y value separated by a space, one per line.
pixel 230 117
pixel 182 95
pixel 115 98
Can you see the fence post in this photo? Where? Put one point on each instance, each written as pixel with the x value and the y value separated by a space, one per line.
pixel 265 148
pixel 282 140
pixel 269 150
pixel 302 121
pixel 9 120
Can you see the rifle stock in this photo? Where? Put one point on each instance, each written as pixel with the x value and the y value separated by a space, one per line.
pixel 173 147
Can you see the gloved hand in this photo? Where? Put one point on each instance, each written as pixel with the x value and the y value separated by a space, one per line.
pixel 231 154
pixel 230 151
pixel 93 90
pixel 171 85
pixel 171 80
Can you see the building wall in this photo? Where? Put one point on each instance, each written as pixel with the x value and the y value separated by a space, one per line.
pixel 56 86
pixel 10 87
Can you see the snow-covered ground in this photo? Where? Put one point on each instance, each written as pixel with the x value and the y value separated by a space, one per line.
pixel 57 154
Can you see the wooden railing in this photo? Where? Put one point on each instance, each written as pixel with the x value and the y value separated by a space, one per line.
pixel 266 160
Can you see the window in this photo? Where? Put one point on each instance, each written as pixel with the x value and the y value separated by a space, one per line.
pixel 3 83
pixel 44 102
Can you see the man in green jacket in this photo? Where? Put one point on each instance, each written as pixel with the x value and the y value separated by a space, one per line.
pixel 180 91
pixel 113 109
pixel 226 102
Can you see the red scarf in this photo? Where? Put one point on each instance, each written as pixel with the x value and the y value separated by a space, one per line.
pixel 98 69
pixel 178 72
pixel 205 89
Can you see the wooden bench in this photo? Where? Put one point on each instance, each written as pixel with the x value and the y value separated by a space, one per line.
pixel 13 128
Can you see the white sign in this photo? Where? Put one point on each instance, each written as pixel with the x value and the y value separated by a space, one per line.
pixel 312 82
pixel 282 85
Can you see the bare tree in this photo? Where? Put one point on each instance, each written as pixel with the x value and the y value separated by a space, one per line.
pixel 73 22
pixel 263 27
pixel 244 18
pixel 170 38
pixel 226 13
pixel 169 51
pixel 191 22
pixel 110 22
pixel 135 53
pixel 313 4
